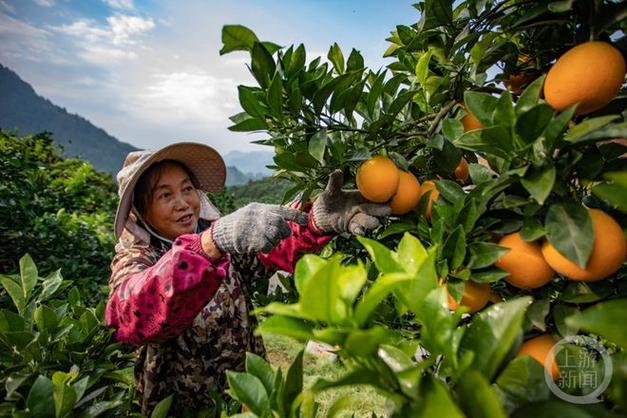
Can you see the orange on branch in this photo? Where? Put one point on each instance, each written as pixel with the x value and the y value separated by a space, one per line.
pixel 470 121
pixel 475 297
pixel 377 179
pixel 407 195
pixel 538 348
pixel 608 251
pixel 461 172
pixel 429 185
pixel 524 262
pixel 590 74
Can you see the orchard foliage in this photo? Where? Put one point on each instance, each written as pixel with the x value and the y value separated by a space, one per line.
pixel 533 170
pixel 58 210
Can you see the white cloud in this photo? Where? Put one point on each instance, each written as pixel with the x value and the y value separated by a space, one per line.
pixel 6 6
pixel 22 41
pixel 45 3
pixel 124 27
pixel 194 95
pixel 111 43
pixel 120 4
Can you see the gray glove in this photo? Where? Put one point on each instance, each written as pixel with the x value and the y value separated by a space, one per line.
pixel 337 210
pixel 257 227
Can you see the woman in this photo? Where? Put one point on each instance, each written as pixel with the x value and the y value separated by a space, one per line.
pixel 179 275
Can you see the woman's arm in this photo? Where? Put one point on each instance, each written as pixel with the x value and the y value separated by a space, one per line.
pixel 154 301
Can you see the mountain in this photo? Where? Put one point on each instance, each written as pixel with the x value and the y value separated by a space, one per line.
pixel 23 109
pixel 253 163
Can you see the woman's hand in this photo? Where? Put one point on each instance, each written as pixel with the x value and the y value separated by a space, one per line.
pixel 337 210
pixel 256 227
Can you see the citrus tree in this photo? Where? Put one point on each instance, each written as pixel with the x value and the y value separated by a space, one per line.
pixel 496 134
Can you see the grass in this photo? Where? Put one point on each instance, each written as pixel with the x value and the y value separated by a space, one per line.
pixel 282 351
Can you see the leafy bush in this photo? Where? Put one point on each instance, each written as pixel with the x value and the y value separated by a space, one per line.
pixel 60 211
pixel 56 357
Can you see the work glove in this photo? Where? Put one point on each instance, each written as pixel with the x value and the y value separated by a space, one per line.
pixel 257 227
pixel 338 211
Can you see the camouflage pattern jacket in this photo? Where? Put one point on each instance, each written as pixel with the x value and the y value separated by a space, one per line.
pixel 189 315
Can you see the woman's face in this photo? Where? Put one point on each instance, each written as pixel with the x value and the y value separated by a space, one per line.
pixel 175 205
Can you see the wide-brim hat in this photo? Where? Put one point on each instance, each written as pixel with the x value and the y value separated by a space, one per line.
pixel 204 162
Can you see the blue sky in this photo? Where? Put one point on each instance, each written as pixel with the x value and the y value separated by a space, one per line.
pixel 149 72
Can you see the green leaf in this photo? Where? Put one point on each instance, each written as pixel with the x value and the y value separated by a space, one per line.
pixel 492 333
pixel 290 327
pixel 484 254
pixel 437 13
pixel 45 318
pixel 530 97
pixel 556 127
pixel 63 394
pixel 579 132
pixel 489 275
pixel 614 194
pixel 364 343
pixel 436 400
pixel 454 249
pixel 537 312
pixel 258 367
pixel 603 319
pixel 28 274
pixel 322 294
pixel 411 253
pixel 275 96
pixel 385 259
pixel 532 229
pixel 452 129
pixel 250 103
pixel 422 67
pixel 237 38
pixel 340 404
pixel 15 291
pixel 249 390
pixel 263 65
pixel 40 400
pixel 51 285
pixel 495 140
pixel 522 381
pixel 531 124
pixel 379 290
pixel 375 93
pixel 482 105
pixel 339 83
pixel 583 292
pixel 293 381
pixel 99 408
pixel 569 229
pixel 306 267
pixel 336 57
pixel 355 61
pixel 318 144
pixel 477 398
pixel 552 409
pixel 10 321
pixel 479 174
pixel 560 314
pixel 400 102
pixel 248 125
pixel 539 181
pixel 504 114
pixel 451 191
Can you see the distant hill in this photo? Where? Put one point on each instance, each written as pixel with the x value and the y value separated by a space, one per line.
pixel 253 163
pixel 23 109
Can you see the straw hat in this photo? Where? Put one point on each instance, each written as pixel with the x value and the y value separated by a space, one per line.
pixel 204 162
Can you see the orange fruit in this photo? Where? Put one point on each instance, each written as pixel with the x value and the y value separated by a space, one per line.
pixel 461 172
pixel 538 348
pixel 470 121
pixel 407 195
pixel 426 186
pixel 518 81
pixel 589 74
pixel 524 262
pixel 377 179
pixel 475 297
pixel 607 256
